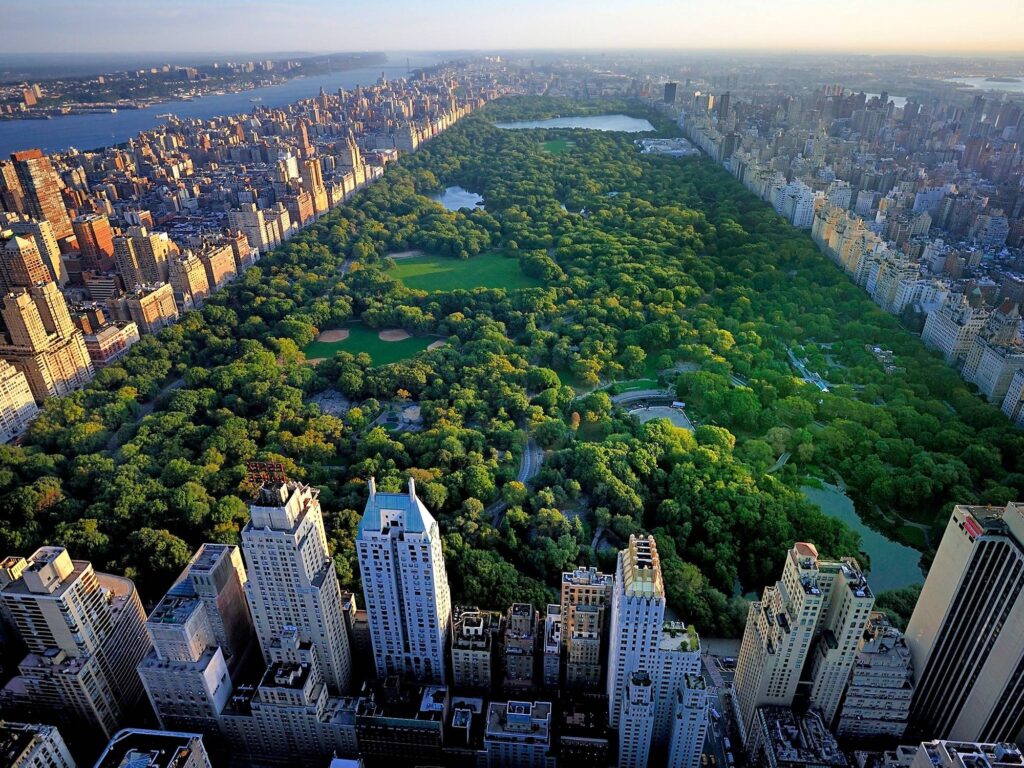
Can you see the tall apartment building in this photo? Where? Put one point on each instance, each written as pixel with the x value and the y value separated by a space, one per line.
pixel 313 182
pixel 677 660
pixel 24 745
pixel 952 328
pixel 142 256
pixel 152 307
pixel 405 586
pixel 219 263
pixel 522 627
pixel 518 735
pixel 139 748
pixel 815 613
pixel 878 696
pixel 41 190
pixel 187 274
pixel 965 632
pixel 97 244
pixel 551 646
pixel 586 598
pixel 21 266
pixel 201 631
pixel 689 725
pixel 636 720
pixel 40 340
pixel 292 582
pixel 636 617
pixel 85 635
pixel 475 638
pixel 41 233
pixel 17 405
pixel 12 199
pixel 263 234
pixel 1013 403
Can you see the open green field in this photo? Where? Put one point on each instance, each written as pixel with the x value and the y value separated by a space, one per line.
pixel 557 146
pixel 362 338
pixel 443 273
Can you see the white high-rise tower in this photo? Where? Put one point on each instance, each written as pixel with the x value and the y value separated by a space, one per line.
pixel 405 585
pixel 637 615
pixel 292 583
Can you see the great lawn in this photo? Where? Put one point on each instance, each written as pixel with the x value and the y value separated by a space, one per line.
pixel 362 338
pixel 443 273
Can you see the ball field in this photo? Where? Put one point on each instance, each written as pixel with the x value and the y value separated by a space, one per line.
pixel 444 273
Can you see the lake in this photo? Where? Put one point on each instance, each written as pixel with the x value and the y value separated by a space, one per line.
pixel 623 123
pixel 102 130
pixel 894 565
pixel 454 198
pixel 983 84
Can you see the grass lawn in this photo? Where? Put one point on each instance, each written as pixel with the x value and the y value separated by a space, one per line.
pixel 443 273
pixel 362 338
pixel 557 146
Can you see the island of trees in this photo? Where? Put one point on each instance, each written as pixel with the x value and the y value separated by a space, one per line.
pixel 647 272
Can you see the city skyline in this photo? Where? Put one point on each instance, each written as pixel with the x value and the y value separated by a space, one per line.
pixel 908 26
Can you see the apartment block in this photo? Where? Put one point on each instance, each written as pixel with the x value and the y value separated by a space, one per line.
pixel 689 725
pixel 17 405
pixel 586 596
pixel 24 745
pixel 476 636
pixel 518 735
pixel 139 748
pixel 152 308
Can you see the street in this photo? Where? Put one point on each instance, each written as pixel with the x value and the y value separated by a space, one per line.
pixel 719 675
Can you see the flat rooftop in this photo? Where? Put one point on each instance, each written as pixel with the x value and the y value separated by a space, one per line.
pixel 149 749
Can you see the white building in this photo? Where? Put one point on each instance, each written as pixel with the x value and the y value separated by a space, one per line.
pixel 966 754
pixel 17 405
pixel 636 723
pixel 518 735
pixel 139 748
pixel 25 745
pixel 1013 403
pixel 637 614
pixel 689 723
pixel 678 659
pixel 952 328
pixel 292 582
pixel 405 585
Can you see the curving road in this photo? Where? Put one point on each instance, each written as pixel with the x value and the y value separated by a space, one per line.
pixel 529 466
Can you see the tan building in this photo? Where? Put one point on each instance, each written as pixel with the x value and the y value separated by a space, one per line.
pixel 586 595
pixel 815 613
pixel 33 746
pixel 17 405
pixel 21 266
pixel 110 342
pixel 220 266
pixel 262 233
pixel 189 281
pixel 85 634
pixel 152 308
pixel 522 623
pixel 475 638
pixel 95 240
pixel 313 182
pixel 965 632
pixel 41 189
pixel 40 340
pixel 141 257
pixel 42 235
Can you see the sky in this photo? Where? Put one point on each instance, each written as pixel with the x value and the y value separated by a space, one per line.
pixel 867 26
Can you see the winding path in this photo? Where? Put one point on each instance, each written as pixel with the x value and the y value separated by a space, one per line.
pixel 529 466
pixel 147 408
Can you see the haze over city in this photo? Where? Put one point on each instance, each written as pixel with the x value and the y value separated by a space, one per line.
pixel 544 384
pixel 990 27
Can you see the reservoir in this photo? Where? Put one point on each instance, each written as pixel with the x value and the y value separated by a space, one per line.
pixel 105 129
pixel 623 123
pixel 454 198
pixel 893 565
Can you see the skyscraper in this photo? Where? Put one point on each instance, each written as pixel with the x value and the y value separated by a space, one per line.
pixel 41 233
pixel 405 585
pixel 670 93
pixel 21 266
pixel 637 614
pixel 95 241
pixel 40 188
pixel 965 632
pixel 816 612
pixel 26 745
pixel 636 721
pixel 292 583
pixel 689 723
pixel 85 634
pixel 17 406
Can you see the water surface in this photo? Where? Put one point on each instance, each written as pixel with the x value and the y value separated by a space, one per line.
pixel 893 565
pixel 623 123
pixel 454 198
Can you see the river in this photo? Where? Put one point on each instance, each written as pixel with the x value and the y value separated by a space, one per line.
pixel 101 130
pixel 893 565
pixel 623 123
pixel 984 84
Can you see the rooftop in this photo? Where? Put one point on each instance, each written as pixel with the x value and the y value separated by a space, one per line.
pixel 133 748
pixel 388 511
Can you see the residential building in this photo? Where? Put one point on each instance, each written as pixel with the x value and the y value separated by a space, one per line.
pixel 962 754
pixel 17 405
pixel 21 266
pixel 139 748
pixel 689 725
pixel 551 647
pixel 475 638
pixel 677 660
pixel 40 340
pixel 778 738
pixel 41 233
pixel 110 342
pixel 24 745
pixel 1013 403
pixel 97 244
pixel 292 582
pixel 41 190
pixel 152 307
pixel 405 585
pixel 637 614
pixel 518 735
pixel 219 263
pixel 522 625
pixel 586 597
pixel 398 724
pixel 189 280
pixel 964 634
pixel 583 735
pixel 952 328
pixel 636 721
pixel 85 635
pixel 878 696
pixel 815 613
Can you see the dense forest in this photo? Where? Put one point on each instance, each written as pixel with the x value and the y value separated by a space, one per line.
pixel 649 268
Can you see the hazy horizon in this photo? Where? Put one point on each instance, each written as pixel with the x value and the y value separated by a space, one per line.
pixel 119 27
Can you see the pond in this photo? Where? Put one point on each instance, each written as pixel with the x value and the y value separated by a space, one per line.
pixel 454 198
pixel 623 123
pixel 893 565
